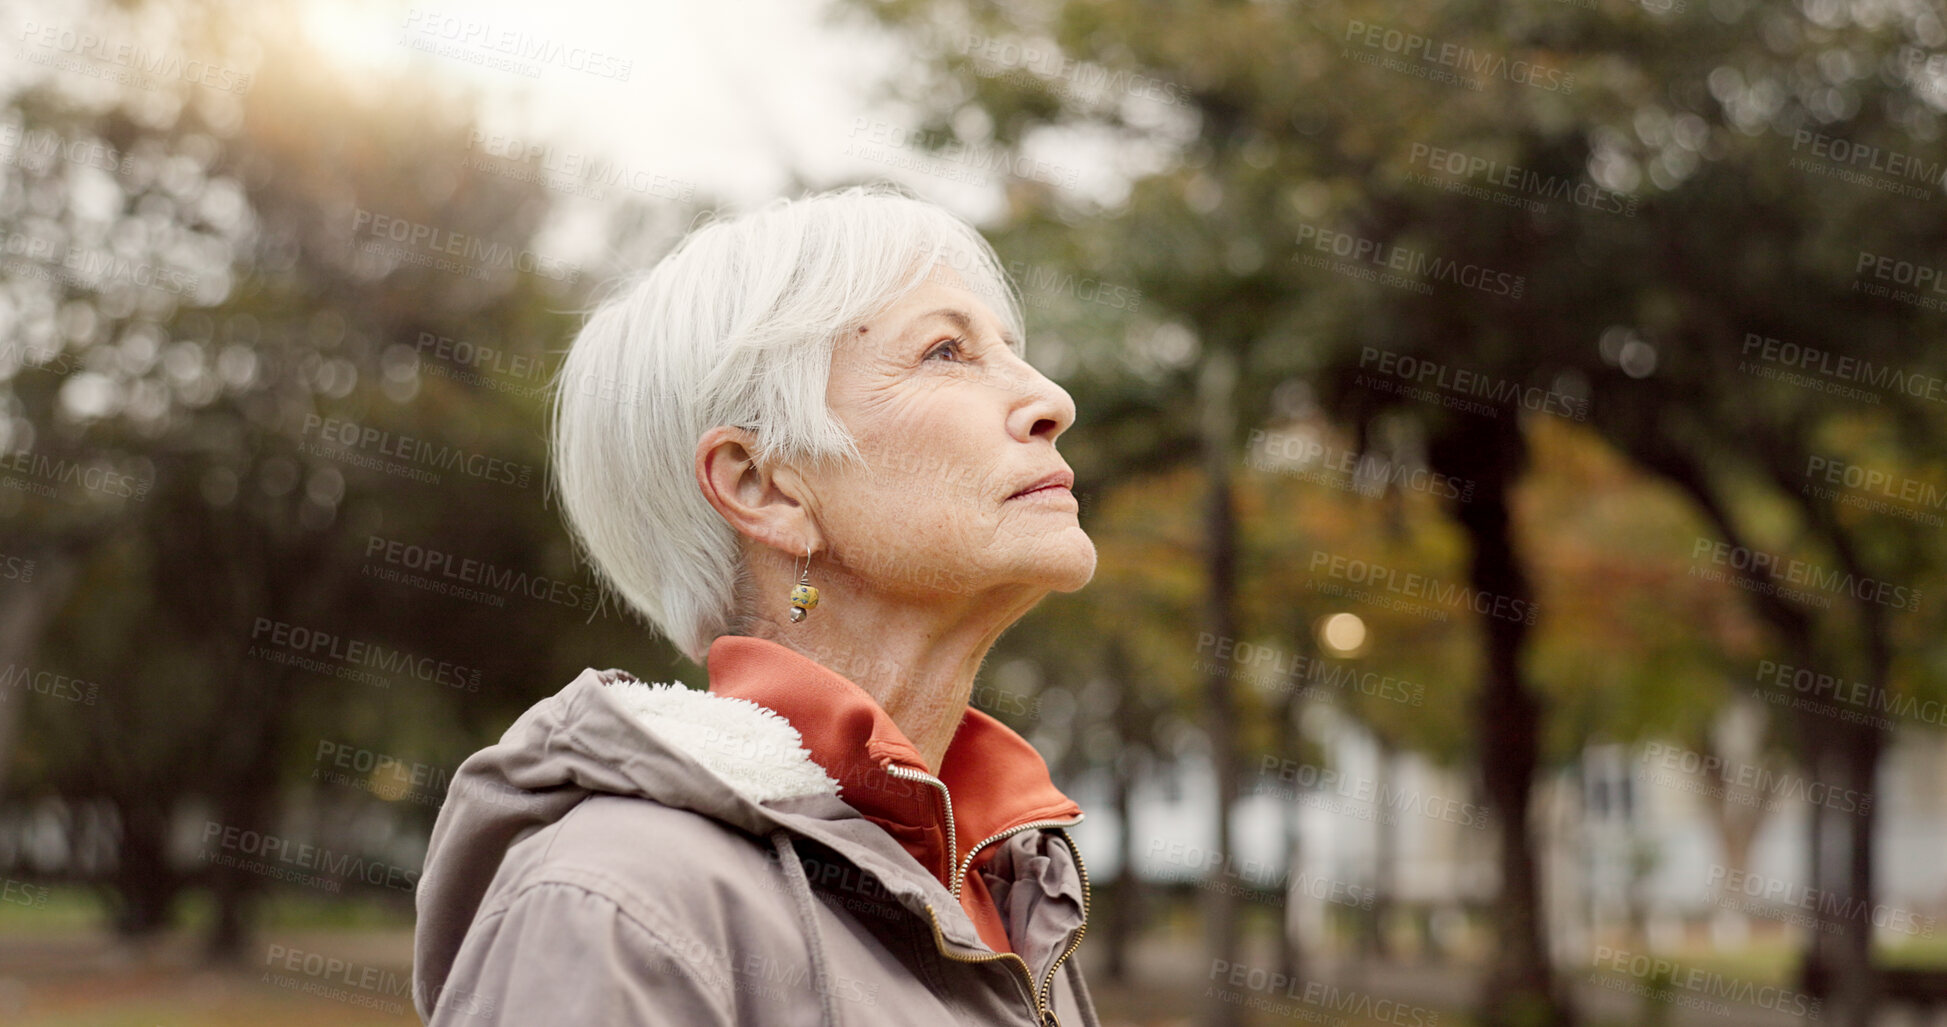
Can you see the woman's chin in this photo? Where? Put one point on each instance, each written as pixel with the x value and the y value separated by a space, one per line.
pixel 1066 560
pixel 1062 560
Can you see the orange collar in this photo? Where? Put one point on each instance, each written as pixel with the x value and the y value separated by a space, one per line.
pixel 998 782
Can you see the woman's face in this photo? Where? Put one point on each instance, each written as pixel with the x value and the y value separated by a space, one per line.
pixel 956 430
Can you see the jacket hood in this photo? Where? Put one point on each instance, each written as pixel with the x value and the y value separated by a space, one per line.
pixel 728 759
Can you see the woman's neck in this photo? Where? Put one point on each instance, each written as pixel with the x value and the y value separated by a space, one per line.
pixel 916 657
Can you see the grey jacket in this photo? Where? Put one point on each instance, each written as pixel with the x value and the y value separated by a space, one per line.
pixel 636 854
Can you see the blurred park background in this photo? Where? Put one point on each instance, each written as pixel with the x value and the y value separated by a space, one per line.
pixel 1513 434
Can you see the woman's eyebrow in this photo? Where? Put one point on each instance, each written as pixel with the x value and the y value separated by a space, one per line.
pixel 962 321
pixel 955 315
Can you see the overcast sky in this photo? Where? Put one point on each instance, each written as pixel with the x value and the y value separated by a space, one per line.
pixel 718 94
pixel 712 100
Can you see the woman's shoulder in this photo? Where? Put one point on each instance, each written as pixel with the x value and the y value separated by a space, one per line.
pixel 640 853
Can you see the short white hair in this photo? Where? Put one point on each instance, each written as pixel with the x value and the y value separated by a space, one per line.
pixel 735 326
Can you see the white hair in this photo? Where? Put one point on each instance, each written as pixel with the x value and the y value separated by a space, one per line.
pixel 735 326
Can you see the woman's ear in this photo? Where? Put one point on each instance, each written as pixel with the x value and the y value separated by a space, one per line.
pixel 762 503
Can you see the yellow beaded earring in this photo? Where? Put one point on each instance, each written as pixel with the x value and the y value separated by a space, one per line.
pixel 803 597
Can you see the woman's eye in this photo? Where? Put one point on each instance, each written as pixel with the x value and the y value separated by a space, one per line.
pixel 945 346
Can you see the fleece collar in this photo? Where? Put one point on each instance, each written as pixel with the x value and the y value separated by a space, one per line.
pixel 997 780
pixel 755 751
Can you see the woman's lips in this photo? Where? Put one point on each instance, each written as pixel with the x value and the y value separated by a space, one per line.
pixel 1058 493
pixel 1063 479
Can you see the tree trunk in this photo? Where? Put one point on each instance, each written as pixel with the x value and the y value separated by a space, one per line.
pixel 1216 390
pixel 251 803
pixel 143 885
pixel 1124 914
pixel 1519 989
pixel 1385 856
pixel 1291 947
pixel 24 610
pixel 1844 758
pixel 1840 964
pixel 1858 993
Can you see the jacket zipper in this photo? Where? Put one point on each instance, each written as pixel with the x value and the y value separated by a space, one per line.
pixel 1081 870
pixel 952 842
pixel 966 865
pixel 1043 1014
pixel 1027 975
pixel 1040 994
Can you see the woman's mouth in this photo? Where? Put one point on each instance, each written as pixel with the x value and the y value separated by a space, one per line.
pixel 1047 495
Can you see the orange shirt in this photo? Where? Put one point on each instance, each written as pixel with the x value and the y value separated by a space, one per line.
pixel 997 780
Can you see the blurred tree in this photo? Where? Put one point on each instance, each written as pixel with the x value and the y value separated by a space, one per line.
pixel 303 396
pixel 1595 210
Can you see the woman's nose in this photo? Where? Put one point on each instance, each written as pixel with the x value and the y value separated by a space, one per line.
pixel 1046 408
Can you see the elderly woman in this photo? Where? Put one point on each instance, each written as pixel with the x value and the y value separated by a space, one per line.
pixel 807 448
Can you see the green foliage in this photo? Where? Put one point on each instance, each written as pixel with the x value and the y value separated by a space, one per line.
pixel 195 604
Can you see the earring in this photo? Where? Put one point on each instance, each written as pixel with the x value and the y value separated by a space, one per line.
pixel 803 597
